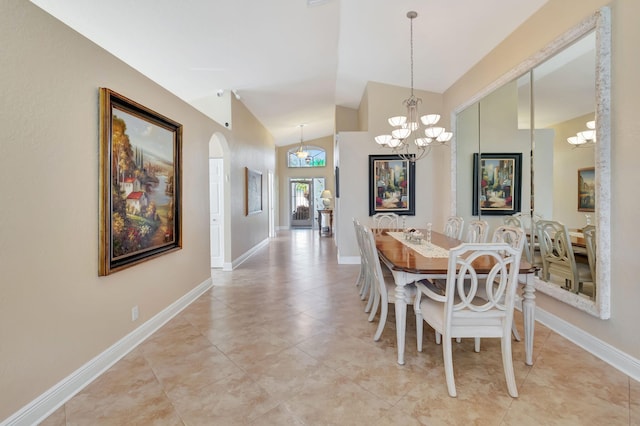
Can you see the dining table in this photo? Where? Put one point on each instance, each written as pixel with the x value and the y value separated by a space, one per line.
pixel 411 261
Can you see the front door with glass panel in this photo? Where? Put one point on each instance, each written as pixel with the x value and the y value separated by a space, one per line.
pixel 301 203
pixel 304 196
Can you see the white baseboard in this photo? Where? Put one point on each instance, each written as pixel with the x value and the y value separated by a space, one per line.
pixel 43 406
pixel 246 255
pixel 612 356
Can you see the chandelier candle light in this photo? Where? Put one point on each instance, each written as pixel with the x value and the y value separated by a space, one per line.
pixel 408 125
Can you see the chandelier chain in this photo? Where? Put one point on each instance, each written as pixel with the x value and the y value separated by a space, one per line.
pixel 411 38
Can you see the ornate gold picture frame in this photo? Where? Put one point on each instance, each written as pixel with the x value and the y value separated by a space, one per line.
pixel 140 183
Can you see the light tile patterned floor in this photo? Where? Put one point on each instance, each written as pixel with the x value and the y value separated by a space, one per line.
pixel 284 340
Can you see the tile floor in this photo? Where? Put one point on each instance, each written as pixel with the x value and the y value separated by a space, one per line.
pixel 284 340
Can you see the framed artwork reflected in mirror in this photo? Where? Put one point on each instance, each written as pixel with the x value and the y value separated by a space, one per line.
pixel 497 183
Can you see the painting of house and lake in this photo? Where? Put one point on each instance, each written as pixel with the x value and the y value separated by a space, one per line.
pixel 144 186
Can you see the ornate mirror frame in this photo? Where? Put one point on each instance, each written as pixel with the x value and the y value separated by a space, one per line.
pixel 600 22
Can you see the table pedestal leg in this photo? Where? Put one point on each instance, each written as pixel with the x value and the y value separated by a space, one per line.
pixel 528 310
pixel 401 314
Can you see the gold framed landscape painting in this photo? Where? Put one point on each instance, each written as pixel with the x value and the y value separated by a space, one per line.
pixel 140 183
pixel 587 189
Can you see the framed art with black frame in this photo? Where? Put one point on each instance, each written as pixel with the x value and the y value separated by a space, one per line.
pixel 497 183
pixel 391 185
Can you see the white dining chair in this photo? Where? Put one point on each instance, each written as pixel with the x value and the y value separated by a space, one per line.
pixel 516 222
pixel 528 223
pixel 390 221
pixel 558 259
pixel 477 231
pixel 589 232
pixel 516 238
pixel 453 227
pixel 367 290
pixel 383 284
pixel 361 275
pixel 460 312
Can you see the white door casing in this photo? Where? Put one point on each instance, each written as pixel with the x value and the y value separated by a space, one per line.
pixel 216 211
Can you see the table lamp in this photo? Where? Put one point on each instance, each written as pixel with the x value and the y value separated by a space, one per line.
pixel 326 198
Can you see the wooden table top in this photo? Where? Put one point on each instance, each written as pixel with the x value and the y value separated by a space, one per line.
pixel 404 258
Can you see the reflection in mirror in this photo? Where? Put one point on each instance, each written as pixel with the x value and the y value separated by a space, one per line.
pixel 564 90
pixel 559 90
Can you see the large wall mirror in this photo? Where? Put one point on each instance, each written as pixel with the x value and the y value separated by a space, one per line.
pixel 562 92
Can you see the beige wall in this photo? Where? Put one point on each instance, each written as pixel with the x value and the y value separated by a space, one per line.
pixel 56 314
pixel 285 173
pixel 252 146
pixel 363 111
pixel 346 119
pixel 552 20
pixel 384 101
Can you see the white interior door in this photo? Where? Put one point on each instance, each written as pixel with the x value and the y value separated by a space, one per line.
pixel 216 211
pixel 272 204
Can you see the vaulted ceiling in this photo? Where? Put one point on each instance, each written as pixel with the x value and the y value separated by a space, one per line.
pixel 292 61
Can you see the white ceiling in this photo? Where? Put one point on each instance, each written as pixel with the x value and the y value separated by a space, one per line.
pixel 291 62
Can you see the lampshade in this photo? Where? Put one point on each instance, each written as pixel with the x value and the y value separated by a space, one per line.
pixel 394 143
pixel 397 121
pixel 423 141
pixel 433 132
pixel 326 198
pixel 444 137
pixel 588 134
pixel 430 119
pixel 383 139
pixel 586 137
pixel 401 133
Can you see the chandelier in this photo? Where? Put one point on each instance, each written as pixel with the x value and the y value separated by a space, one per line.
pixel 407 127
pixel 300 152
pixel 584 137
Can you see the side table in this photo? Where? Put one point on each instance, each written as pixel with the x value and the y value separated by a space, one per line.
pixel 325 222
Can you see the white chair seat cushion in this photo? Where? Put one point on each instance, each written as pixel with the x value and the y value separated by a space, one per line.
pixel 584 272
pixel 466 325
